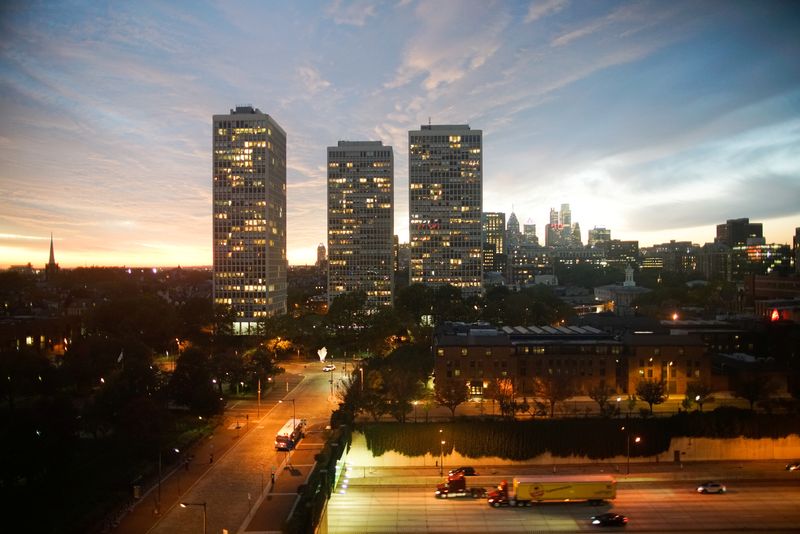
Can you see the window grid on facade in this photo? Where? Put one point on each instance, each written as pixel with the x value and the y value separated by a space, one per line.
pixel 445 206
pixel 361 221
pixel 249 216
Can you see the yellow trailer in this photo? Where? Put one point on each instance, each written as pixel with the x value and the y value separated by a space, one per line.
pixel 527 490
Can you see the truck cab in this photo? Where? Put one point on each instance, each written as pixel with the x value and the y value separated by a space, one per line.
pixel 456 486
pixel 499 496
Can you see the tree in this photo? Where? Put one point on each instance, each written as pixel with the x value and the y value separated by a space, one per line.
pixel 554 389
pixel 652 392
pixel 415 301
pixel 699 392
pixel 601 393
pixel 451 394
pixel 754 389
pixel 191 383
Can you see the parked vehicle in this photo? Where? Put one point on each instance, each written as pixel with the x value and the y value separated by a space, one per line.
pixel 526 490
pixel 456 486
pixel 466 471
pixel 610 519
pixel 711 487
pixel 794 466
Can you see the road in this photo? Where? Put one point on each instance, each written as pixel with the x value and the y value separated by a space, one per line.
pixel 401 504
pixel 240 475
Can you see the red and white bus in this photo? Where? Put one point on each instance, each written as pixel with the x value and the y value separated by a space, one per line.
pixel 290 434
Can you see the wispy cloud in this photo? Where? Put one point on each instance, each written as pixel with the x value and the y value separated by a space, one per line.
pixel 312 80
pixel 543 8
pixel 353 13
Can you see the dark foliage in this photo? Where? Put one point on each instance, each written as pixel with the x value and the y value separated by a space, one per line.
pixel 523 440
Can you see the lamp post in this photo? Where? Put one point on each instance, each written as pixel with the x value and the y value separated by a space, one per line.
pixel 441 459
pixel 415 410
pixel 637 439
pixel 158 501
pixel 441 454
pixel 294 418
pixel 203 504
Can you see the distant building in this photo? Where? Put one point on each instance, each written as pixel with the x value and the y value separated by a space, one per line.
pixel 529 233
pixel 599 235
pixel 675 256
pixel 494 231
pixel 445 174
pixel 737 231
pixel 620 253
pixel 619 299
pixel 796 248
pixel 526 261
pixel 361 221
pixel 714 261
pixel 249 216
pixel 322 256
pixel 513 235
pixel 760 259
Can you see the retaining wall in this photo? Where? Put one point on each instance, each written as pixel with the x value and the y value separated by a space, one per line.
pixel 688 450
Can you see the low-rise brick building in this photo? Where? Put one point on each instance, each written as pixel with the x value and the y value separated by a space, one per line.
pixel 479 354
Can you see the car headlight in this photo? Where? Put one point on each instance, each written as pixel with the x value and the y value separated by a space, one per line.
pixel 595 521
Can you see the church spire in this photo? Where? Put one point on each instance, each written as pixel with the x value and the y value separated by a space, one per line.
pixel 51 269
pixel 52 254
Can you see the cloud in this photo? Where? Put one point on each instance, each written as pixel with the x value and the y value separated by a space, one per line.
pixel 312 80
pixel 539 9
pixel 354 13
pixel 451 43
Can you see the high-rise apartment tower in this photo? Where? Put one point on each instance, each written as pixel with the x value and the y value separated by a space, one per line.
pixel 445 175
pixel 249 216
pixel 361 221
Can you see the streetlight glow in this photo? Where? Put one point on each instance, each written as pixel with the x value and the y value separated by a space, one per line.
pixel 203 504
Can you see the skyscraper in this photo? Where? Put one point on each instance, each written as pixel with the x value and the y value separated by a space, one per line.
pixel 249 216
pixel 513 235
pixel 361 221
pixel 494 231
pixel 529 233
pixel 445 175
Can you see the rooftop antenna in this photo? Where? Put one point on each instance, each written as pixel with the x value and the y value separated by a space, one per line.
pixel 429 120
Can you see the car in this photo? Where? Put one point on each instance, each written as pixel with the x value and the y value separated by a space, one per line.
pixel 466 471
pixel 610 519
pixel 711 487
pixel 329 367
pixel 794 466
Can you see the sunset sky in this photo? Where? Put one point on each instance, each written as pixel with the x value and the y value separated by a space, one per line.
pixel 655 119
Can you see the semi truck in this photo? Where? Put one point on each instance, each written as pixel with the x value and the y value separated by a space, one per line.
pixel 456 486
pixel 524 491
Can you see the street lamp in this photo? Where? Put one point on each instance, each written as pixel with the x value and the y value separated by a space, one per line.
pixel 441 459
pixel 203 504
pixel 415 410
pixel 637 439
pixel 158 503
pixel 294 422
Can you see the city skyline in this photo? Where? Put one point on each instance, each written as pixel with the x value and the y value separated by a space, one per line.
pixel 623 110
